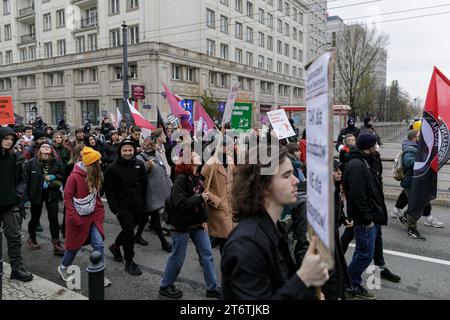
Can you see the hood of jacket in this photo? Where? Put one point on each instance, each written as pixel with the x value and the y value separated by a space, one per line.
pixel 80 169
pixel 5 131
pixel 408 143
pixel 124 143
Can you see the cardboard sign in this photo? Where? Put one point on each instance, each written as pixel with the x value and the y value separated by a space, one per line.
pixel 241 118
pixel 281 124
pixel 6 111
pixel 319 150
pixel 230 103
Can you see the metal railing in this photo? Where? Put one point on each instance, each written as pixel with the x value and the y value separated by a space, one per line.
pixel 392 133
pixel 26 11
pixel 28 37
pixel 88 22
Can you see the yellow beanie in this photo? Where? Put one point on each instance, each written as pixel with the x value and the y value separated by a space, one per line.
pixel 417 125
pixel 90 156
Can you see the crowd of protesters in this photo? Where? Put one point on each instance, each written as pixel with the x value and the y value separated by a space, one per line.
pixel 213 203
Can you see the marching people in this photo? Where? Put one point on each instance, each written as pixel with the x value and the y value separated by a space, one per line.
pixel 220 219
pixel 87 127
pixel 126 187
pixel 49 132
pixel 188 216
pixel 39 136
pixel 28 135
pixel 110 148
pixel 159 188
pixel 136 136
pixel 43 176
pixel 256 261
pixel 79 137
pixel 85 212
pixel 12 191
pixel 106 128
pixel 350 129
pixel 368 127
pixel 61 150
pixel 365 206
pixel 344 149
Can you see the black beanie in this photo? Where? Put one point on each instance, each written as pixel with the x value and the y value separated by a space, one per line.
pixel 366 140
pixel 38 133
pixel 367 120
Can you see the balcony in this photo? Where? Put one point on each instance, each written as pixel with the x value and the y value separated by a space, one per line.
pixel 27 38
pixel 83 3
pixel 88 23
pixel 26 14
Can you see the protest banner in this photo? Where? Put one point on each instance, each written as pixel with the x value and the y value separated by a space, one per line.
pixel 319 127
pixel 6 111
pixel 230 103
pixel 280 123
pixel 241 116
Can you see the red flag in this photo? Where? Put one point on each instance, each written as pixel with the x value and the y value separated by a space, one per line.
pixel 175 107
pixel 202 120
pixel 434 147
pixel 139 119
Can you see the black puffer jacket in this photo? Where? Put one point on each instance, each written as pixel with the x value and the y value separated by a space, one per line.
pixel 188 208
pixel 364 191
pixel 126 184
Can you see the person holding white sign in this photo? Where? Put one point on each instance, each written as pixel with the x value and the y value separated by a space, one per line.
pixel 256 261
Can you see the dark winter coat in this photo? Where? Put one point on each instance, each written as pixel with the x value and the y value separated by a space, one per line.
pixel 78 227
pixel 347 130
pixel 62 125
pixel 257 263
pixel 63 154
pixel 33 177
pixel 409 149
pixel 126 185
pixel 106 128
pixel 188 208
pixel 110 152
pixel 364 191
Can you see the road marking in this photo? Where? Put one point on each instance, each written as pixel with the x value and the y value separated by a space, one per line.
pixel 413 256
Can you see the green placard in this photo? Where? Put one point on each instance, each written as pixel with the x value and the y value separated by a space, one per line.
pixel 241 118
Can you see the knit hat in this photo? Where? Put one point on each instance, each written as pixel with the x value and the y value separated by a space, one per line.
pixel 90 156
pixel 337 164
pixel 351 122
pixel 38 133
pixel 46 142
pixel 417 125
pixel 367 120
pixel 366 140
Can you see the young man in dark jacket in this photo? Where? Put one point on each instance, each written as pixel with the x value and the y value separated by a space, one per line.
pixel 364 192
pixel 125 188
pixel 11 191
pixel 110 148
pixel 350 129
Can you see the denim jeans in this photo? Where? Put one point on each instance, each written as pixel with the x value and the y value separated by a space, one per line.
pixel 175 262
pixel 363 255
pixel 96 242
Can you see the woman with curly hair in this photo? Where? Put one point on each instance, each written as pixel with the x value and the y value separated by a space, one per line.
pixel 256 261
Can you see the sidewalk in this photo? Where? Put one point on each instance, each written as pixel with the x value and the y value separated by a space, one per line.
pixel 38 289
pixel 443 198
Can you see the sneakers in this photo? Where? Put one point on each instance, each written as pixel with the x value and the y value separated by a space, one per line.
pixel 362 293
pixel 432 222
pixel 132 268
pixel 22 275
pixel 63 273
pixel 116 253
pixel 141 241
pixel 414 234
pixel 395 213
pixel 389 276
pixel 214 293
pixel 171 292
pixel 166 246
pixel 33 245
pixel 403 222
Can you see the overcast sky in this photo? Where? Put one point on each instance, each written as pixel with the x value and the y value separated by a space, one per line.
pixel 415 45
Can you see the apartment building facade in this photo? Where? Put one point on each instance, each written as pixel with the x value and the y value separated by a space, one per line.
pixel 63 58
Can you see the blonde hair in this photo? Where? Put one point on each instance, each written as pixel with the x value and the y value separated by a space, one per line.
pixel 94 176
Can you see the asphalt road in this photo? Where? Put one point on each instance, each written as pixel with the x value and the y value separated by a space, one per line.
pixel 422 278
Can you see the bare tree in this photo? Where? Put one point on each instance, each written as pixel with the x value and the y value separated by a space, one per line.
pixel 357 52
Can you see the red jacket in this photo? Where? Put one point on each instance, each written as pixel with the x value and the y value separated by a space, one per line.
pixel 78 227
pixel 302 149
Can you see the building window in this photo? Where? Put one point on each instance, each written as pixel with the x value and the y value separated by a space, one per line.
pixel 60 18
pixel 223 80
pixel 300 55
pixel 294 71
pixel 294 34
pixel 286 50
pixel 224 51
pixel 249 59
pixel 279 67
pixel 210 19
pixel 134 35
pixel 238 30
pixel 300 36
pixel 117 72
pixel 114 6
pixel 270 43
pixel 132 4
pixel 58 110
pixel 94 74
pixel 287 10
pixel 48 49
pixel 81 44
pixel 238 55
pixel 280 26
pixel 115 38
pixel 269 64
pixel 224 2
pixel 300 18
pixel 286 29
pixel 249 9
pixel 32 53
pixel 6 7
pixel 261 62
pixel 294 53
pixel 90 111
pixel 261 16
pixel 23 54
pixel 190 74
pixel 92 42
pixel 280 5
pixel 176 72
pixel 213 78
pixel 30 111
pixel 223 24
pixel 1 62
pixel 270 20
pixel 47 22
pixel 82 76
pixel 132 67
pixel 210 47
pixel 279 47
pixel 238 5
pixel 261 42
pixel 333 39
pixel 7 32
pixel 9 57
pixel 270 2
pixel 286 69
pixel 249 35
pixel 294 13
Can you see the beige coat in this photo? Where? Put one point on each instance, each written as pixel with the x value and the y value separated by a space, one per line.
pixel 220 219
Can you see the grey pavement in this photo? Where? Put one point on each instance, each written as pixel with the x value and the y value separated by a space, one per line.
pixel 421 279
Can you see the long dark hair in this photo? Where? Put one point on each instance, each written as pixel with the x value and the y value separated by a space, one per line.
pixel 250 187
